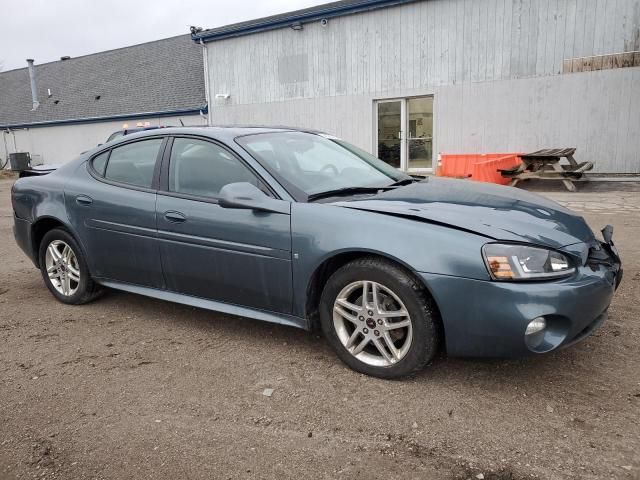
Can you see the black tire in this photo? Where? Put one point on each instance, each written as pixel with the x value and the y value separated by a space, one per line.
pixel 417 301
pixel 87 289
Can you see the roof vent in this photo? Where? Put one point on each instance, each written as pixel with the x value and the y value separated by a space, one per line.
pixel 34 91
pixel 66 57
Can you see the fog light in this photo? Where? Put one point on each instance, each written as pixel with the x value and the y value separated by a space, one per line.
pixel 536 325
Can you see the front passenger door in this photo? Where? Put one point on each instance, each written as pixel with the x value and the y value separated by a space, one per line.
pixel 235 256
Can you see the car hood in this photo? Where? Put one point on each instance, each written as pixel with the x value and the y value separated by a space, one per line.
pixel 494 211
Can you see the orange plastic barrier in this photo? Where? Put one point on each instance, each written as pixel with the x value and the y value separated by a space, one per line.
pixel 487 171
pixel 482 167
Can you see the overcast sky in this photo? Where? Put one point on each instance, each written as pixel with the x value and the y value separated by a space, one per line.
pixel 48 29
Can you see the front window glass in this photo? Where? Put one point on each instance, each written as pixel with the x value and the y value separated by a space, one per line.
pixel 203 168
pixel 316 163
pixel 134 163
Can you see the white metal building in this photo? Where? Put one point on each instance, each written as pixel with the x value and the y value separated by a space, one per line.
pixel 409 79
pixel 76 103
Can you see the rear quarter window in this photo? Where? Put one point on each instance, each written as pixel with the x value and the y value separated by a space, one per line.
pixel 99 163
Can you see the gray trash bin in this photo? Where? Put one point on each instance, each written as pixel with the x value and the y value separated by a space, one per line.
pixel 20 161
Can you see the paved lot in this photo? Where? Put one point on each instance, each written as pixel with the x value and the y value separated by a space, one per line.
pixel 130 387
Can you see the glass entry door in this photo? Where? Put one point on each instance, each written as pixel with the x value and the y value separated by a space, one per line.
pixel 390 115
pixel 405 133
pixel 420 133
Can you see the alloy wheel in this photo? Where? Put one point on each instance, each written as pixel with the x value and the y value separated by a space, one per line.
pixel 372 323
pixel 63 269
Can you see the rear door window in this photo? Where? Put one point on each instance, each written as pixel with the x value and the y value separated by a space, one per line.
pixel 134 163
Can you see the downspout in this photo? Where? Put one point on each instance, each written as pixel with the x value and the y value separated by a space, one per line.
pixel 205 63
pixel 5 132
pixel 32 78
pixel 6 149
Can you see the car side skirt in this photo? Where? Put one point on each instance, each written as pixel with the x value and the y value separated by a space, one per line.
pixel 222 307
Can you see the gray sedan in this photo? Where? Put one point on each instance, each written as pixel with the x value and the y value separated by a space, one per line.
pixel 303 229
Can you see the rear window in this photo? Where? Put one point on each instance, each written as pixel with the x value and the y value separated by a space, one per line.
pixel 115 135
pixel 134 163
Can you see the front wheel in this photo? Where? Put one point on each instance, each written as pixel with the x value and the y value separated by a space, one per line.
pixel 379 319
pixel 64 268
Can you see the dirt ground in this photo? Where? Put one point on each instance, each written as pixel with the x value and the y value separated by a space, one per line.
pixel 129 387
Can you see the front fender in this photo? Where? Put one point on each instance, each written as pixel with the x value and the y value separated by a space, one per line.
pixel 321 231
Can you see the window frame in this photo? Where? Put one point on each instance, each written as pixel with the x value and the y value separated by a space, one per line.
pixel 163 188
pixel 155 180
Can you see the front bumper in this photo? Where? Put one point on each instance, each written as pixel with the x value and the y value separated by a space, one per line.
pixel 489 319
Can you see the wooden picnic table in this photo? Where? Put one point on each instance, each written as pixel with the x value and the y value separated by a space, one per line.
pixel 545 165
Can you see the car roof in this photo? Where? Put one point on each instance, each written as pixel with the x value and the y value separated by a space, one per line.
pixel 223 132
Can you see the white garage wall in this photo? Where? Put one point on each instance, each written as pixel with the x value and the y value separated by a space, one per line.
pixel 494 68
pixel 61 143
pixel 596 112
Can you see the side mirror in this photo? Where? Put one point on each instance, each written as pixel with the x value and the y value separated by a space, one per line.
pixel 247 196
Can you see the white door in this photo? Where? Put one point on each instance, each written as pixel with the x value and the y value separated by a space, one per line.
pixel 419 138
pixel 404 133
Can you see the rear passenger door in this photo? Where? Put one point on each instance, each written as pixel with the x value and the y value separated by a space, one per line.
pixel 111 203
pixel 235 256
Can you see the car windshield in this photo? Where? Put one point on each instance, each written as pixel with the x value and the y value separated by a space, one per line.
pixel 316 163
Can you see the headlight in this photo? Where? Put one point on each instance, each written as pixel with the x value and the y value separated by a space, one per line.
pixel 520 262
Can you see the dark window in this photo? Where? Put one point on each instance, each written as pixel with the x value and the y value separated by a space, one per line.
pixel 203 168
pixel 100 162
pixel 134 163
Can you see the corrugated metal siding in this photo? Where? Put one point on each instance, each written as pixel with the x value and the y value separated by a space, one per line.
pixel 435 42
pixel 492 64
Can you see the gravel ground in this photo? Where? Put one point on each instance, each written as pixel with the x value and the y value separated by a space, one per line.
pixel 131 387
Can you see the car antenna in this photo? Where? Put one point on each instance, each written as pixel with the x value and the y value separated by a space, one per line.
pixel 181 122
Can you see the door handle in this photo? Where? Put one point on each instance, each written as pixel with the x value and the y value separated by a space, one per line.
pixel 84 200
pixel 175 217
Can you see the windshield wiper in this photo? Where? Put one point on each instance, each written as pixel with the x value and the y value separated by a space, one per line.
pixel 404 181
pixel 345 191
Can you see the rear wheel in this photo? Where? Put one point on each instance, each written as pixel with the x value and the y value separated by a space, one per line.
pixel 379 319
pixel 64 268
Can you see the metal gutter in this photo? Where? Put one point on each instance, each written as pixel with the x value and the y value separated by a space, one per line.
pixel 270 23
pixel 50 123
